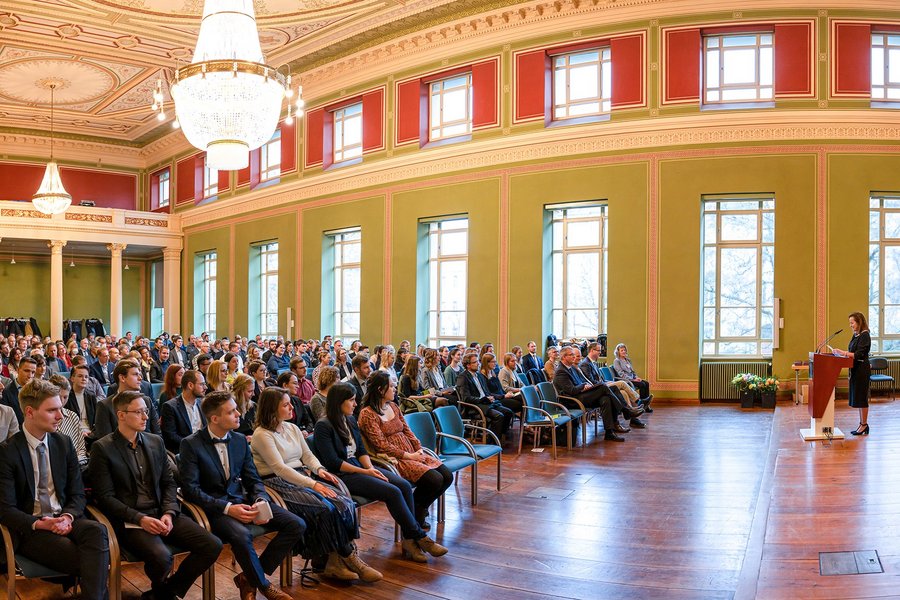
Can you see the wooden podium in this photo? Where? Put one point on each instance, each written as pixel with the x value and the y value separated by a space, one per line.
pixel 824 370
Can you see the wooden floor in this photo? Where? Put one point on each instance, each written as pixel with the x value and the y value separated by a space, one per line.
pixel 707 502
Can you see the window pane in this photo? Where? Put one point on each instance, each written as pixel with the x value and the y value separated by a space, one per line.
pixel 740 66
pixel 739 227
pixel 453 323
pixel 351 290
pixel 453 285
pixel 582 323
pixel 584 82
pixel 583 233
pixel 891 225
pixel 738 276
pixel 891 275
pixel 583 285
pixel 454 243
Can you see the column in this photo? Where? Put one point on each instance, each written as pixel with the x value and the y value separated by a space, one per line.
pixel 56 288
pixel 171 290
pixel 115 289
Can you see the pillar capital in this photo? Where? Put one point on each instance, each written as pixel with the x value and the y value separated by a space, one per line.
pixel 171 253
pixel 56 246
pixel 116 248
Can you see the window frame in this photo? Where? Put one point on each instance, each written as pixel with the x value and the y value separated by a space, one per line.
pixel 263 251
pixel 209 264
pixel 723 87
pixel 441 92
pixel 877 308
pixel 210 180
pixel 269 171
pixel 886 84
pixel 435 229
pixel 604 72
pixel 341 152
pixel 340 268
pixel 164 182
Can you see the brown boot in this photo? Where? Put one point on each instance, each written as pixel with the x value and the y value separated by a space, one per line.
pixel 431 547
pixel 246 590
pixel 358 566
pixel 273 592
pixel 336 569
pixel 412 551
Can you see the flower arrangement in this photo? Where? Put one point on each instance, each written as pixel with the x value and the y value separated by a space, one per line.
pixel 745 382
pixel 767 384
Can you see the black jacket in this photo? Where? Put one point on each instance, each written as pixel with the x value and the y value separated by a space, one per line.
pixel 175 423
pixel 90 406
pixel 106 420
pixel 330 448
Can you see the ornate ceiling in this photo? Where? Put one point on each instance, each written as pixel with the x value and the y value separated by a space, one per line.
pixel 106 55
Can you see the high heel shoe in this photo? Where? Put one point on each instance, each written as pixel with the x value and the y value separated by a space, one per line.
pixel 863 431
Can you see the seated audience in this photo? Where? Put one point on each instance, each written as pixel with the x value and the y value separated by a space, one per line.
pixel 55 364
pixel 288 466
pixel 473 389
pixel 324 360
pixel 342 363
pixel 453 370
pixel 128 375
pixel 301 415
pixel 588 367
pixel 10 397
pixel 71 425
pixel 11 365
pixel 232 366
pixel 244 396
pixel 386 363
pixel 215 377
pixel 504 386
pixel 342 452
pixel 532 360
pixel 258 372
pixel 305 389
pixel 623 369
pixel 80 401
pixel 431 376
pixel 552 363
pixel 159 367
pixel 278 361
pixel 9 424
pixel 328 376
pixel 181 416
pixel 415 396
pixel 171 383
pixel 361 371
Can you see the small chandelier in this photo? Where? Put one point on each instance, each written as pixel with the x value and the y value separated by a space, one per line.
pixel 227 101
pixel 51 198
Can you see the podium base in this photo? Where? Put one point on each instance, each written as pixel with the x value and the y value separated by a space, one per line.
pixel 811 434
pixel 817 426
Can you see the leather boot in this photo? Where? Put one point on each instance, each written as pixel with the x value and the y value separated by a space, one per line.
pixel 358 566
pixel 412 551
pixel 336 569
pixel 246 590
pixel 431 547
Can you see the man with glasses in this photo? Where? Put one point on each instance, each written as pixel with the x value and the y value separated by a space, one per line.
pixel 181 416
pixel 133 485
pixel 128 375
pixel 473 389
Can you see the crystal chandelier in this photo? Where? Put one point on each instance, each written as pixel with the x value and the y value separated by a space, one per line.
pixel 228 101
pixel 51 197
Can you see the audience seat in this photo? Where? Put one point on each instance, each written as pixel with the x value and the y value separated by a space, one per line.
pixel 551 397
pixel 536 418
pixel 17 566
pixel 453 442
pixel 422 426
pixel 879 363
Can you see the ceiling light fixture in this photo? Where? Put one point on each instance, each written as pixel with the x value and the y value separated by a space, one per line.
pixel 13 259
pixel 51 197
pixel 228 101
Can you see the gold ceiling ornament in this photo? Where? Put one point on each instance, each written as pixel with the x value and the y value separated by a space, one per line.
pixel 228 100
pixel 51 197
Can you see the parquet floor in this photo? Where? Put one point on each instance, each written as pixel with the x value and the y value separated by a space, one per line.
pixel 707 502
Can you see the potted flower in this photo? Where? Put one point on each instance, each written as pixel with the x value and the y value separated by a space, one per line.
pixel 767 387
pixel 746 383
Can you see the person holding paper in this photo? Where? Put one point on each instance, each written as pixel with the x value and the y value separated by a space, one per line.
pixel 859 347
pixel 218 473
pixel 134 486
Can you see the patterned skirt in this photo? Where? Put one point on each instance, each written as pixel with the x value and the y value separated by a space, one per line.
pixel 330 522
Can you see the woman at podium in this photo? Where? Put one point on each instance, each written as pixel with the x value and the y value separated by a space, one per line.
pixel 860 371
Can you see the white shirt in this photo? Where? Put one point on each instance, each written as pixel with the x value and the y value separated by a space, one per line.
pixel 85 424
pixel 193 411
pixel 222 451
pixel 33 443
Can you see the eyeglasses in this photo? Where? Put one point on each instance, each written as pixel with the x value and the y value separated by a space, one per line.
pixel 143 412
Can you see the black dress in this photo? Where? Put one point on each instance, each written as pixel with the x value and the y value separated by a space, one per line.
pixel 860 371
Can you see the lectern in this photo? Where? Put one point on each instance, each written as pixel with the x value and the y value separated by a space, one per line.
pixel 824 370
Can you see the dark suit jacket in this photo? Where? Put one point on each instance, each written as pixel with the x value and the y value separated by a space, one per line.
pixel 590 371
pixel 178 356
pixel 17 475
pixel 106 421
pixel 114 478
pixel 468 392
pixel 90 406
pixel 330 448
pixel 176 424
pixel 203 478
pixel 96 371
pixel 11 399
pixel 146 389
pixel 532 362
pixel 564 384
pixel 158 371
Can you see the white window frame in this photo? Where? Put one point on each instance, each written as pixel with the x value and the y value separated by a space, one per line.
pixel 343 118
pixel 342 241
pixel 266 276
pixel 716 89
pixel 164 188
pixel 210 180
pixel 210 271
pixel 562 64
pixel 881 208
pixel 436 261
pixel 885 52
pixel 437 91
pixel 713 210
pixel 561 217
pixel 269 167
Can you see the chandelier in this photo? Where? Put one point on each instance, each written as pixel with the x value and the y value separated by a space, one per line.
pixel 51 197
pixel 227 100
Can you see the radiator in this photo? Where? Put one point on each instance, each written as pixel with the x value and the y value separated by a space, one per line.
pixel 716 376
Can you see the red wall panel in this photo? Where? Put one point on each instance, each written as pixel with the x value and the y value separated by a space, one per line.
pixel 313 142
pixel 184 180
pixel 109 190
pixel 532 88
pixel 484 87
pixel 408 111
pixel 627 55
pixel 373 120
pixel 288 147
pixel 851 59
pixel 793 59
pixel 20 182
pixel 224 181
pixel 682 65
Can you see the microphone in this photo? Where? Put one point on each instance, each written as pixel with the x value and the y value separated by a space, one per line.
pixel 831 337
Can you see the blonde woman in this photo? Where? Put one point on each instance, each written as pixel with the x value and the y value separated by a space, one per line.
pixel 328 376
pixel 215 376
pixel 242 391
pixel 388 355
pixel 552 362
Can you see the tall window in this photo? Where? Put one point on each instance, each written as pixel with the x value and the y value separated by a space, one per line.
pixel 738 68
pixel 270 158
pixel 582 84
pixel 210 180
pixel 164 190
pixel 884 273
pixel 451 107
pixel 348 132
pixel 579 270
pixel 448 254
pixel 886 66
pixel 738 276
pixel 347 249
pixel 268 289
pixel 208 265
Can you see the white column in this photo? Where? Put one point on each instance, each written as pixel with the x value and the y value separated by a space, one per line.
pixel 56 288
pixel 171 290
pixel 115 289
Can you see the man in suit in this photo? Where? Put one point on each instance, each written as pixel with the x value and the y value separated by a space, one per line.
pixel 178 354
pixel 181 416
pixel 473 388
pixel 159 367
pixel 133 484
pixel 218 473
pixel 93 386
pixel 621 389
pixel 10 397
pixel 361 371
pixel 42 496
pixel 532 360
pixel 128 376
pixel 102 370
pixel 80 401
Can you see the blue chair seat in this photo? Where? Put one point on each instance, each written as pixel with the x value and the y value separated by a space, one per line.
pixel 33 570
pixel 880 377
pixel 457 463
pixel 559 419
pixel 487 450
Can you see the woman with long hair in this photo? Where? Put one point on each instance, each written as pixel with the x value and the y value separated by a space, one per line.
pixel 431 376
pixel 232 362
pixel 510 399
pixel 171 383
pixel 242 391
pixel 328 376
pixel 383 425
pixel 11 368
pixel 215 377
pixel 342 363
pixel 257 371
pixel 386 364
pixel 288 466
pixel 409 381
pixel 858 350
pixel 342 452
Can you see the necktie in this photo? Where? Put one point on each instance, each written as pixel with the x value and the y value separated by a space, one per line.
pixel 576 376
pixel 43 481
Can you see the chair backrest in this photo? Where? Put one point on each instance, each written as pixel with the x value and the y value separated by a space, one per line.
pixel 156 389
pixel 878 363
pixel 607 374
pixel 423 428
pixel 522 379
pixel 531 400
pixel 535 376
pixel 547 391
pixel 312 446
pixel 450 421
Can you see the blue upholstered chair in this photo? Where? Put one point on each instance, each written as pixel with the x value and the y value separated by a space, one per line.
pixel 550 397
pixel 454 442
pixel 879 363
pixel 156 389
pixel 536 417
pixel 423 428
